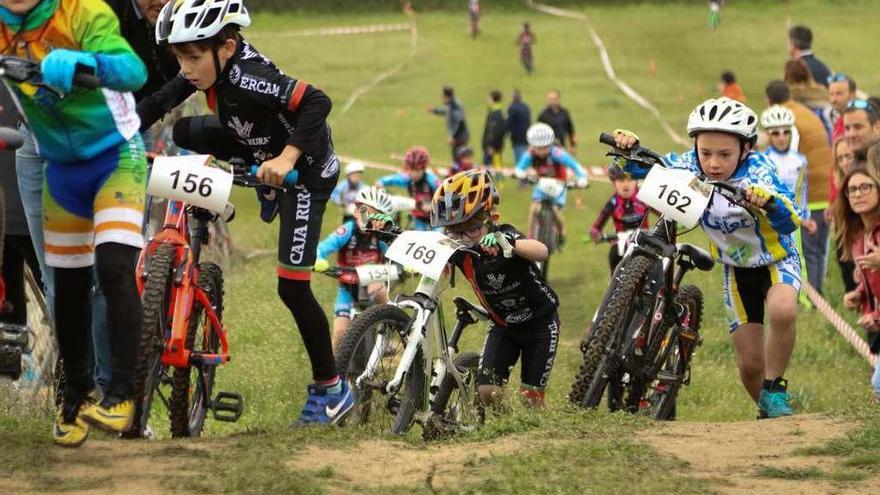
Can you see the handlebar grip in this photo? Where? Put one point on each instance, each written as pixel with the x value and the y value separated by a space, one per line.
pixel 10 139
pixel 289 179
pixel 86 80
pixel 770 205
pixel 608 139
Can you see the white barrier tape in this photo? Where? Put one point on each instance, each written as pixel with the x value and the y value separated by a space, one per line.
pixel 609 69
pixel 336 31
pixel 413 50
pixel 839 324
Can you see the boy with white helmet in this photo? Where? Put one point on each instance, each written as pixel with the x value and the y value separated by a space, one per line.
pixel 264 116
pixel 755 245
pixel 545 159
pixel 345 193
pixel 355 247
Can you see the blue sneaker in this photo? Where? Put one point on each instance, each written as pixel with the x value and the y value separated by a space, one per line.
pixel 325 408
pixel 773 404
pixel 268 203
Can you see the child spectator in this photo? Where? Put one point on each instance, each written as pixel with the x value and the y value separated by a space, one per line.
pixel 728 87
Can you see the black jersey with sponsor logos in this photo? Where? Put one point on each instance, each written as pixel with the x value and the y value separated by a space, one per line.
pixel 513 290
pixel 263 107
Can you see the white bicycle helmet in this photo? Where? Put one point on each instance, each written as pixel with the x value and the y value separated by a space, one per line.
pixel 183 21
pixel 377 198
pixel 777 116
pixel 540 134
pixel 723 115
pixel 353 168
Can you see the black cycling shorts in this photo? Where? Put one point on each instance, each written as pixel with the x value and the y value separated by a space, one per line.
pixel 536 342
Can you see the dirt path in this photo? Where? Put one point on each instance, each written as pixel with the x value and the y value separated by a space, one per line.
pixel 755 457
pixel 378 463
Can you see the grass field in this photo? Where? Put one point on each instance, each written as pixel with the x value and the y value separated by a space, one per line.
pixel 560 450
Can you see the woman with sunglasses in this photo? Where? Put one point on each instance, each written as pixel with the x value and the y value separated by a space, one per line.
pixel 858 234
pixel 508 283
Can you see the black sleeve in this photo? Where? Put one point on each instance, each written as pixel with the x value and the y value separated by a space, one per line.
pixel 155 106
pixel 311 120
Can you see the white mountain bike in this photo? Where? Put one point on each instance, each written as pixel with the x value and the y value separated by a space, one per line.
pixel 401 362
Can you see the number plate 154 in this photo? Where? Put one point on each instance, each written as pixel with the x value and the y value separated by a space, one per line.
pixel 672 193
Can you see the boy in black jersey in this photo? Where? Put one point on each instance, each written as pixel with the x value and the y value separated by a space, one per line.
pixel 508 283
pixel 267 117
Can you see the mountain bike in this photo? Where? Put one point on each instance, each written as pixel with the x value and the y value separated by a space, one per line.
pixel 647 326
pixel 363 276
pixel 399 358
pixel 183 339
pixel 544 226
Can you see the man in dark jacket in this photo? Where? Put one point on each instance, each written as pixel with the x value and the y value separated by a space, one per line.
pixel 494 131
pixel 137 21
pixel 457 133
pixel 800 44
pixel 519 118
pixel 559 119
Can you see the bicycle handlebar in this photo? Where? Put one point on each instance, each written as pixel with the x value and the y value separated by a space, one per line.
pixel 648 158
pixel 23 70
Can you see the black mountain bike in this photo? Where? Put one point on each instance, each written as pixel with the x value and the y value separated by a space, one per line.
pixel 643 335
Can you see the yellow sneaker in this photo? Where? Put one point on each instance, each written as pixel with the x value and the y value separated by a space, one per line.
pixel 116 417
pixel 71 434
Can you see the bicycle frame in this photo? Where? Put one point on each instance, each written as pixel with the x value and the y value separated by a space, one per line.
pixel 426 331
pixel 184 290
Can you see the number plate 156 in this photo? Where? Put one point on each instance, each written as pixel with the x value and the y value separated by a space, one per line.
pixel 186 178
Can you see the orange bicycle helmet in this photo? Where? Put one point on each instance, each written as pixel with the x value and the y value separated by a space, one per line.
pixel 461 197
pixel 417 158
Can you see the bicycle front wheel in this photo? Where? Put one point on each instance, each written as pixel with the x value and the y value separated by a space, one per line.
pixel 381 332
pixel 192 387
pixel 615 316
pixel 148 371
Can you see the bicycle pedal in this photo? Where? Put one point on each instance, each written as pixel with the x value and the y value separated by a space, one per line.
pixel 227 406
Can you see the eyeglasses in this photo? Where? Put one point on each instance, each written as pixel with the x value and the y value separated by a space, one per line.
pixel 786 132
pixel 468 234
pixel 838 77
pixel 861 189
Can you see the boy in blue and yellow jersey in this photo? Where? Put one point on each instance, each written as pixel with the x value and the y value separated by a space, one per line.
pixel 761 264
pixel 94 194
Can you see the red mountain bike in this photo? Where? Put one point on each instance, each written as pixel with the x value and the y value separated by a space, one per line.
pixel 183 339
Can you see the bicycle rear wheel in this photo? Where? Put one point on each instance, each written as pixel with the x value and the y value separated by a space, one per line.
pixel 156 299
pixel 193 386
pixel 675 369
pixel 454 408
pixel 394 412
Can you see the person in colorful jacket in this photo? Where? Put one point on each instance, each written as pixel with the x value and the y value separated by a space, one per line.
pixel 95 190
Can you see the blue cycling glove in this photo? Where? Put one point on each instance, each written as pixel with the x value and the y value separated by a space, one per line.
pixel 59 67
